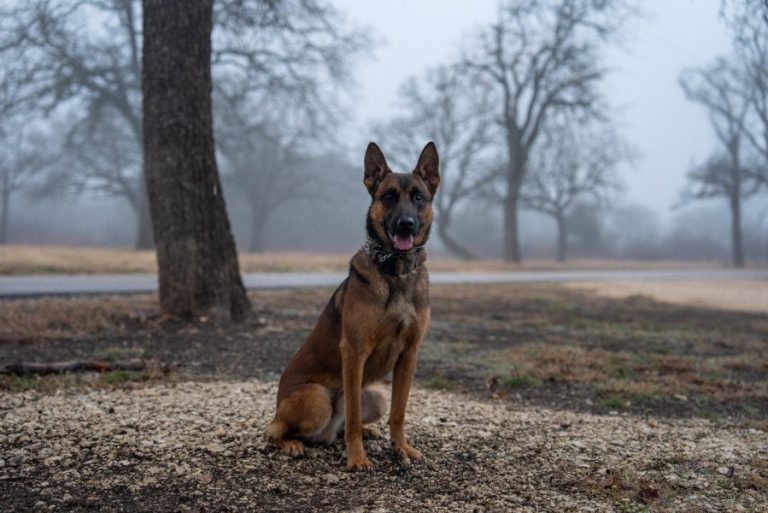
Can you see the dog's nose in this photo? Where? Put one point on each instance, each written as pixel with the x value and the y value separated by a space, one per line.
pixel 405 223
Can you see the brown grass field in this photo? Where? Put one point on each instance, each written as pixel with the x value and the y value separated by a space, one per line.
pixel 19 259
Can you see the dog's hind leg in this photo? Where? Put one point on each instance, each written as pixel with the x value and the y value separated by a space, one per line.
pixel 373 407
pixel 304 414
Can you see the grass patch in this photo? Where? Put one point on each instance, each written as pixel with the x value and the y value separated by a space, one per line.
pixel 21 383
pixel 614 402
pixel 519 381
pixel 120 376
pixel 440 383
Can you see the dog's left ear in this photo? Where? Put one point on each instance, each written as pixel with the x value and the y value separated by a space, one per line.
pixel 428 167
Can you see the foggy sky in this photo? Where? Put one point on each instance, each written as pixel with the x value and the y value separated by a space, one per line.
pixel 668 131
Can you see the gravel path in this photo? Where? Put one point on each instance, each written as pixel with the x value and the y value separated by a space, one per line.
pixel 197 446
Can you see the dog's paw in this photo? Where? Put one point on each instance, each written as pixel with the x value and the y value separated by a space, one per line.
pixel 407 453
pixel 359 464
pixel 292 447
pixel 372 433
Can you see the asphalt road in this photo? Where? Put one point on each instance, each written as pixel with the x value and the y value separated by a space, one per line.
pixel 40 285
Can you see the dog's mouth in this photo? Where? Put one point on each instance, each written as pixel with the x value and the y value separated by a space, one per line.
pixel 403 242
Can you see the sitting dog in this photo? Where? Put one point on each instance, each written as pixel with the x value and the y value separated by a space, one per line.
pixel 372 325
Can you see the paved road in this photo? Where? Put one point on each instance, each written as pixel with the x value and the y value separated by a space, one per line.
pixel 38 285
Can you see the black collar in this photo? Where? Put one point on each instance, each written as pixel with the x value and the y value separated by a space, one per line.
pixel 392 262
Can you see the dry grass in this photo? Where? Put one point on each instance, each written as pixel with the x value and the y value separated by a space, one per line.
pixel 18 259
pixel 745 295
pixel 539 340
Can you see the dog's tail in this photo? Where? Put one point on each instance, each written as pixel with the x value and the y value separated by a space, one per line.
pixel 276 429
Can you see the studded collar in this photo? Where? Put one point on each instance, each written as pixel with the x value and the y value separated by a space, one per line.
pixel 392 262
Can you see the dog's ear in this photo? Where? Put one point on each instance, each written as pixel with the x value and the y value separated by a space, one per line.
pixel 428 167
pixel 375 167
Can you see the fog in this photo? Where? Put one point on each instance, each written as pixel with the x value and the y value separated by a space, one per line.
pixel 644 217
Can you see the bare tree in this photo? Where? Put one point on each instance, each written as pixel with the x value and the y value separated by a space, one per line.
pixel 720 90
pixel 570 163
pixel 446 108
pixel 751 41
pixel 24 156
pixel 52 61
pixel 261 158
pixel 541 56
pixel 197 261
pixel 54 57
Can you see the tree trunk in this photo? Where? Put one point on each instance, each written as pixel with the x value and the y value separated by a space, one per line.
pixel 737 248
pixel 562 237
pixel 5 207
pixel 144 239
pixel 511 234
pixel 450 244
pixel 196 255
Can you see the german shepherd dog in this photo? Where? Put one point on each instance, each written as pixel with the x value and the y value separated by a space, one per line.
pixel 372 325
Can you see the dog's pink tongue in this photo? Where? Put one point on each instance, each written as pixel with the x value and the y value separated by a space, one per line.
pixel 403 243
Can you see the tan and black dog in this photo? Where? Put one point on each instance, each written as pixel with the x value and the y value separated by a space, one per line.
pixel 372 325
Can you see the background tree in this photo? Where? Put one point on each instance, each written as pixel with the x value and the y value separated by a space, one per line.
pixel 719 89
pixel 539 57
pixel 82 56
pixel 446 108
pixel 571 162
pixel 197 260
pixel 261 158
pixel 82 59
pixel 24 155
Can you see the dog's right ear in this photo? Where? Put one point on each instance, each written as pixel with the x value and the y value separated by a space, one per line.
pixel 375 167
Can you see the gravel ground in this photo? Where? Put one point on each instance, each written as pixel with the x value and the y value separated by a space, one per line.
pixel 198 446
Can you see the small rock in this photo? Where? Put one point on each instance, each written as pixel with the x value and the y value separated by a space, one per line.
pixel 67 497
pixel 726 471
pixel 331 478
pixel 681 397
pixel 214 448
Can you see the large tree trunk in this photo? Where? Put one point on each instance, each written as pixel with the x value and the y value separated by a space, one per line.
pixel 562 238
pixel 737 248
pixel 196 255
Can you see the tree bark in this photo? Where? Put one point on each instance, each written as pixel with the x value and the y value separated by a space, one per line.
pixel 737 247
pixel 197 261
pixel 562 237
pixel 515 170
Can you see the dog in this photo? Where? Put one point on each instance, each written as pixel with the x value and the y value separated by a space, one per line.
pixel 372 325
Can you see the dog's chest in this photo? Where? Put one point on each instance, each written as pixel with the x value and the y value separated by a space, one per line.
pixel 398 327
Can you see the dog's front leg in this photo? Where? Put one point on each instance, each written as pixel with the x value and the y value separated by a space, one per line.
pixel 352 365
pixel 402 377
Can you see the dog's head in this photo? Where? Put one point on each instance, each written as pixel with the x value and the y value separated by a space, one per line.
pixel 400 214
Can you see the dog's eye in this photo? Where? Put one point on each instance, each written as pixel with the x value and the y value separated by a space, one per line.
pixel 418 197
pixel 389 198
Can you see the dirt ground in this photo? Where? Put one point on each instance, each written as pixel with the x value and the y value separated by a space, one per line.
pixel 528 398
